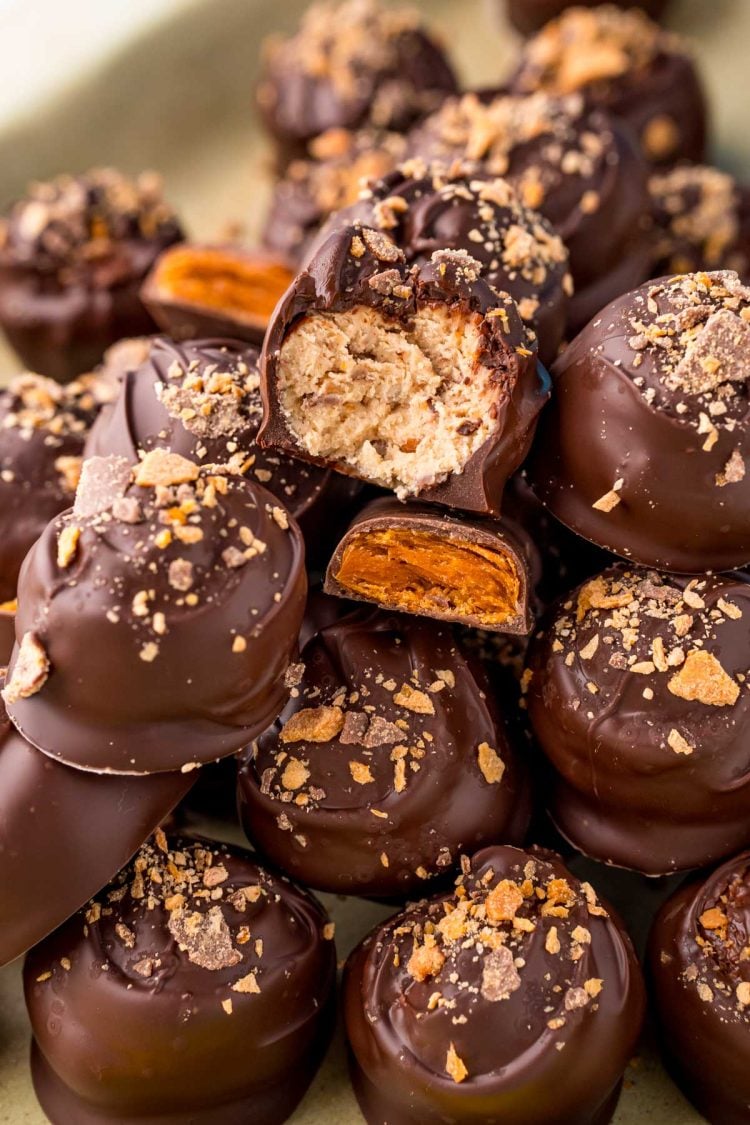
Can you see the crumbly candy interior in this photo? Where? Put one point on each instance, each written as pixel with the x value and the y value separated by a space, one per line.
pixel 402 405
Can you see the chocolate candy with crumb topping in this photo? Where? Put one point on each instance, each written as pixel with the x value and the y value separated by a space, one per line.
pixel 73 254
pixel 390 760
pixel 201 399
pixel 420 379
pixel 702 221
pixel 623 62
pixel 636 693
pixel 699 959
pixel 515 997
pixel 418 559
pixel 349 65
pixel 43 427
pixel 644 446
pixel 64 833
pixel 575 165
pixel 425 210
pixel 528 16
pixel 198 987
pixel 156 618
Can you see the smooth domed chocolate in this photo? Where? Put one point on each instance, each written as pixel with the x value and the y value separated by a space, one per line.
pixel 349 65
pixel 623 62
pixel 699 958
pixel 64 834
pixel 575 165
pixel 73 254
pixel 43 427
pixel 517 997
pixel 156 618
pixel 527 16
pixel 636 693
pixel 417 378
pixel 197 988
pixel 644 445
pixel 390 760
pixel 201 399
pixel 702 221
pixel 427 210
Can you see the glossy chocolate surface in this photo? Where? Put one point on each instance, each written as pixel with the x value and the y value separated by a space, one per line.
pixel 360 268
pixel 518 997
pixel 621 61
pixel 643 447
pixel 636 693
pixel 699 959
pixel 390 761
pixel 157 619
pixel 201 996
pixel 73 254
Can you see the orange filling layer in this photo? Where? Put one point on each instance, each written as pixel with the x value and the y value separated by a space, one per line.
pixel 420 572
pixel 216 279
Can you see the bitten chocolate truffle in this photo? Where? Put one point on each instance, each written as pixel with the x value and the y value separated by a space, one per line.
pixel 73 254
pixel 196 290
pixel 156 618
pixel 419 379
pixel 422 560
pixel 64 833
pixel 390 760
pixel 702 221
pixel 350 65
pixel 576 166
pixel 699 957
pixel 339 164
pixel 201 399
pixel 636 691
pixel 643 448
pixel 527 16
pixel 43 427
pixel 622 62
pixel 427 210
pixel 197 988
pixel 517 997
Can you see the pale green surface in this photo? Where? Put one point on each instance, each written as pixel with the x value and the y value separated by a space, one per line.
pixel 181 102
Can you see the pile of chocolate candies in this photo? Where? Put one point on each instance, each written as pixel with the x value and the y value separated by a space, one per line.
pixel 423 526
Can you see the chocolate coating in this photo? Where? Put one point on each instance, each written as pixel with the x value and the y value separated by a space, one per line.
pixel 156 619
pixel 425 211
pixel 201 399
pixel 624 63
pixel 636 694
pixel 576 166
pixel 643 447
pixel 43 427
pixel 358 296
pixel 64 834
pixel 421 560
pixel 700 973
pixel 525 1010
pixel 201 998
pixel 390 761
pixel 702 221
pixel 73 254
pixel 527 16
pixel 349 65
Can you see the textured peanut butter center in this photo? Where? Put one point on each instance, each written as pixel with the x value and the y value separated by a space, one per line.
pixel 215 279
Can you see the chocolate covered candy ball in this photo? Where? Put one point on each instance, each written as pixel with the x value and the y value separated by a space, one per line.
pixel 390 760
pixel 636 693
pixel 643 449
pixel 73 254
pixel 622 62
pixel 156 618
pixel 516 997
pixel 699 957
pixel 196 989
pixel 527 16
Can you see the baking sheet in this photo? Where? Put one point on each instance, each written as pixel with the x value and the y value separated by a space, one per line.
pixel 181 101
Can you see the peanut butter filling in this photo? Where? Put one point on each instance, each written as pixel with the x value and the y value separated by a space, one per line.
pixel 421 572
pixel 214 278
